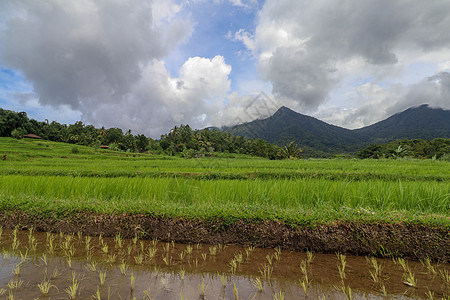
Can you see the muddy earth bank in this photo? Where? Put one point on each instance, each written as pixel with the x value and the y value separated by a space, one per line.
pixel 414 241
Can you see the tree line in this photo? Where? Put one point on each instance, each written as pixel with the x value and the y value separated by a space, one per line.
pixel 415 148
pixel 181 140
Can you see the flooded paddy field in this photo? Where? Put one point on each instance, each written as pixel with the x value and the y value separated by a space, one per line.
pixel 38 265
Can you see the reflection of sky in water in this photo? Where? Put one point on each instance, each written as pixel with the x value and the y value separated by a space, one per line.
pixel 187 277
pixel 158 284
pixel 7 264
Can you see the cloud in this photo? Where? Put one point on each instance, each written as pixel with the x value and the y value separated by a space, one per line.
pixel 245 37
pixel 434 90
pixel 105 59
pixel 159 101
pixel 380 103
pixel 248 4
pixel 80 51
pixel 109 60
pixel 305 48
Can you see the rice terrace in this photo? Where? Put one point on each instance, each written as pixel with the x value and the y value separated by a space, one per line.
pixel 232 226
pixel 225 149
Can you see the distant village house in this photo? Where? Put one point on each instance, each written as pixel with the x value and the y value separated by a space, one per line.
pixel 31 136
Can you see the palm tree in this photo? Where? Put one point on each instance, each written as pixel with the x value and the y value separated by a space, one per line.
pixel 400 152
pixel 292 150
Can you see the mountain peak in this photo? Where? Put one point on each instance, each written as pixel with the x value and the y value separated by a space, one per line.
pixel 284 110
pixel 319 137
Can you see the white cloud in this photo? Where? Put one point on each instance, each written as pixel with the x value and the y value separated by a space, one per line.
pixel 352 62
pixel 204 78
pixel 82 51
pixel 159 101
pixel 377 102
pixel 246 38
pixel 105 59
pixel 309 49
pixel 444 66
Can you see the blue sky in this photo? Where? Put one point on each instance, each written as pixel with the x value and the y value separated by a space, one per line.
pixel 151 65
pixel 213 24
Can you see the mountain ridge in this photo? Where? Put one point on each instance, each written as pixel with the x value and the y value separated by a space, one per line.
pixel 319 137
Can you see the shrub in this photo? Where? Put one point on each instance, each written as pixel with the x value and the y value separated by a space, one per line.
pixel 18 133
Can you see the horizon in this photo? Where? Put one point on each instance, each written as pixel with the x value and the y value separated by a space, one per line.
pixel 226 127
pixel 394 114
pixel 148 66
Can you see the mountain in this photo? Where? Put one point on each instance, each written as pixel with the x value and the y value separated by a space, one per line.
pixel 422 122
pixel 318 138
pixel 310 133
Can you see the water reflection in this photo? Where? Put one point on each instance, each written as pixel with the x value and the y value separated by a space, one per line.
pixel 41 265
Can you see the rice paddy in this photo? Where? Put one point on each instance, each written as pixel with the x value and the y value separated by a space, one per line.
pixel 45 177
pixel 75 266
pixel 384 208
pixel 50 183
pixel 291 200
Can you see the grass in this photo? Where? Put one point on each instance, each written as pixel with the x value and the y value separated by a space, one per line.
pixel 30 157
pixel 299 201
pixel 48 179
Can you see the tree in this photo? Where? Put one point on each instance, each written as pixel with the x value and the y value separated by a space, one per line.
pixel 400 152
pixel 112 135
pixel 292 150
pixel 142 143
pixel 18 133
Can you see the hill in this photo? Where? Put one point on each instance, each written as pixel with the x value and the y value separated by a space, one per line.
pixel 181 140
pixel 310 133
pixel 319 138
pixel 422 122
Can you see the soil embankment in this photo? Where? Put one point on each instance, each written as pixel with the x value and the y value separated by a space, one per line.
pixel 416 241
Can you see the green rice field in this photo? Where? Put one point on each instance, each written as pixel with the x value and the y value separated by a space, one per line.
pixel 50 178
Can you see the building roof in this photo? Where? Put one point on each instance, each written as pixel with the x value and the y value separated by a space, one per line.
pixel 32 136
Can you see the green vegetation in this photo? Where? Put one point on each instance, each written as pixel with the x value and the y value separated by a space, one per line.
pixel 416 148
pixel 48 179
pixel 38 157
pixel 181 141
pixel 295 201
pixel 319 139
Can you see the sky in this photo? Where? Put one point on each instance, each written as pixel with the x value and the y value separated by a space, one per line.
pixel 151 65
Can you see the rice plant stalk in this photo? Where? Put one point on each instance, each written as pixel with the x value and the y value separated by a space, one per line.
pixel 44 259
pixel 182 273
pixel 45 287
pixel 202 287
pixel 92 266
pixel 377 269
pixel 278 296
pixel 97 295
pixel 15 284
pixel 102 277
pixel 147 295
pixel 123 268
pixel 258 284
pixel 235 292
pixel 73 289
pixel 342 265
pixel 409 278
pixel 213 250
pixel 132 279
pixel 139 259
